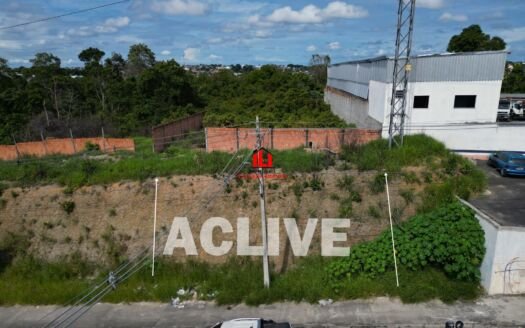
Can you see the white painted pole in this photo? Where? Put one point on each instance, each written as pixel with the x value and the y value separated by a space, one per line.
pixel 264 226
pixel 391 228
pixel 154 228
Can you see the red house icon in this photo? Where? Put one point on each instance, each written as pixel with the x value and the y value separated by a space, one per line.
pixel 262 158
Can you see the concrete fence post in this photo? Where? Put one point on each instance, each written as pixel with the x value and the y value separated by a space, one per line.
pixel 16 148
pixel 72 141
pixel 237 137
pixel 306 138
pixel 103 140
pixel 43 142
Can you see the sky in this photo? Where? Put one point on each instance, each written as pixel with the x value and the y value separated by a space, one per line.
pixel 248 32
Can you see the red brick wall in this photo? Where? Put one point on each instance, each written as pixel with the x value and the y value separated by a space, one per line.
pixel 63 147
pixel 231 139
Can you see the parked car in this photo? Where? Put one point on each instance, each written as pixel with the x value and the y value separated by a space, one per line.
pixel 251 323
pixel 508 163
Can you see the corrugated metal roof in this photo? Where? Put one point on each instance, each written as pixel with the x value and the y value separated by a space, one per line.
pixel 354 77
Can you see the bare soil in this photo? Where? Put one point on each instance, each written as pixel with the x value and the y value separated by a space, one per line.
pixel 118 218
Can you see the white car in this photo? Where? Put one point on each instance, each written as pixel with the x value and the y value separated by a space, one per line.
pixel 251 323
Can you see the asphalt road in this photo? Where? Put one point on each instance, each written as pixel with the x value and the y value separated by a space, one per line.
pixel 504 200
pixel 377 312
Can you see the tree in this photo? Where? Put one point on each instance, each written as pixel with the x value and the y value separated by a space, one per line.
pixel 91 56
pixel 140 58
pixel 116 63
pixel 45 59
pixel 3 64
pixel 318 67
pixel 472 38
pixel 514 80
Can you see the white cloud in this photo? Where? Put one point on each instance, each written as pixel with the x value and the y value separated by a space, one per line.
pixel 191 54
pixel 311 48
pixel 165 52
pixel 512 35
pixel 126 38
pixel 179 7
pixel 113 24
pixel 214 57
pixel 18 61
pixel 238 7
pixel 10 44
pixel 312 14
pixel 334 45
pixel 215 40
pixel 430 4
pixel 262 34
pixel 448 17
pixel 110 25
pixel 380 52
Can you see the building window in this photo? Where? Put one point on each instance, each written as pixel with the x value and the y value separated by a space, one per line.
pixel 421 101
pixel 465 102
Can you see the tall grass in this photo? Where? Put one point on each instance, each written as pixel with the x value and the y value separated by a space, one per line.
pixel 76 171
pixel 376 155
pixel 239 280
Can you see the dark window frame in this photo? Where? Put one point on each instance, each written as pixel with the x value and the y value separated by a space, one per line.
pixel 465 101
pixel 417 105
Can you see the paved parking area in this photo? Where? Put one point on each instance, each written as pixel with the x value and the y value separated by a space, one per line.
pixel 504 201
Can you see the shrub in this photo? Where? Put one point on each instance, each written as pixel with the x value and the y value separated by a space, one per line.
pixel 346 183
pixel 68 206
pixel 91 147
pixel 377 185
pixel 345 207
pixel 449 238
pixel 410 177
pixel 408 195
pixel 3 203
pixel 374 212
pixel 14 194
pixel 376 155
pixel 316 184
pixel 298 190
pixel 355 196
pixel 112 212
pixel 3 187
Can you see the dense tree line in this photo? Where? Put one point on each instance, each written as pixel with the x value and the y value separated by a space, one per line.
pixel 127 96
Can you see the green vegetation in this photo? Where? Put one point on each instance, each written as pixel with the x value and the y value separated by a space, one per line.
pixel 426 240
pixel 432 264
pixel 76 171
pixel 472 38
pixel 127 96
pixel 446 174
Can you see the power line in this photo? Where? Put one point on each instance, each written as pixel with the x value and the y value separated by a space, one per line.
pixel 63 15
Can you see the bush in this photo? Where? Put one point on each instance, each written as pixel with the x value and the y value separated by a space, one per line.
pixel 68 206
pixel 316 184
pixel 91 147
pixel 377 185
pixel 408 195
pixel 346 183
pixel 376 155
pixel 345 207
pixel 449 238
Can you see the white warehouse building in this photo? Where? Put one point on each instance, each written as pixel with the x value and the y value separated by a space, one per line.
pixel 451 97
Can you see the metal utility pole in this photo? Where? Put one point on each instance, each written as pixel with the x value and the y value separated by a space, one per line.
pixel 402 68
pixel 266 269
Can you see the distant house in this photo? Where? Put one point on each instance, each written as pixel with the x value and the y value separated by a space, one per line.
pixel 451 97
